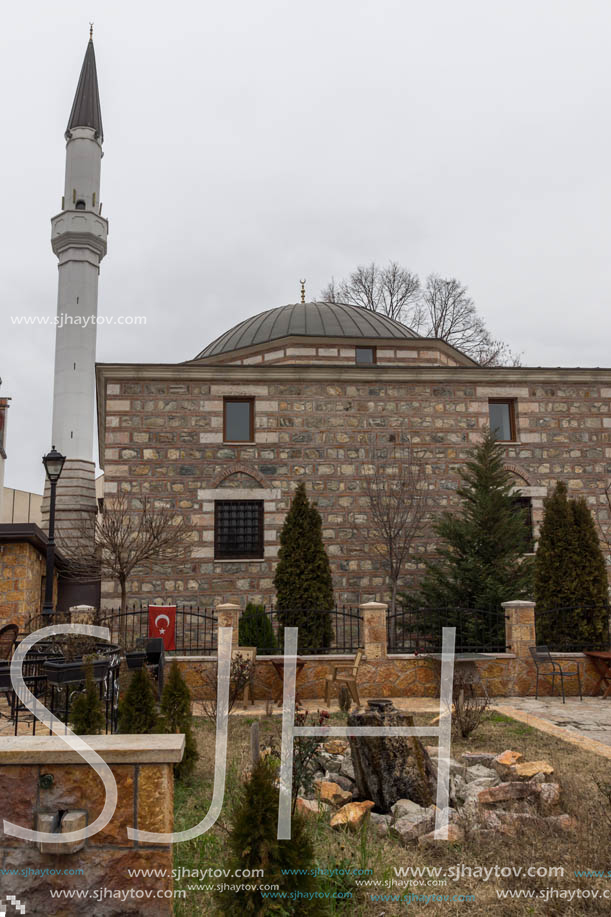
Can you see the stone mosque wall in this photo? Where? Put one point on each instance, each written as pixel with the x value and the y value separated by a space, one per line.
pixel 162 436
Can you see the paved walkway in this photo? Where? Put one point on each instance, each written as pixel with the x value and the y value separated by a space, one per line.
pixel 7 727
pixel 585 723
pixel 409 704
pixel 312 704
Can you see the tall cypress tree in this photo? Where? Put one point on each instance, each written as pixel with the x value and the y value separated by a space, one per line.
pixel 481 562
pixel 571 587
pixel 554 575
pixel 303 583
pixel 591 573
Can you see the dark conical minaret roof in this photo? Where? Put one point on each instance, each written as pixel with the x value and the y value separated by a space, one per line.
pixel 86 111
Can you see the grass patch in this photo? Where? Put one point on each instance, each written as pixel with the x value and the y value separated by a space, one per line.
pixel 512 726
pixel 577 771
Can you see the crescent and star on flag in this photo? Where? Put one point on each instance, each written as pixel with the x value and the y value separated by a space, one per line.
pixel 162 630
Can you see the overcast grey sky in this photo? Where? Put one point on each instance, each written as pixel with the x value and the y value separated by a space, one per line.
pixel 248 144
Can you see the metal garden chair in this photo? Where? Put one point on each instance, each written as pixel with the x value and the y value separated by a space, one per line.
pixel 8 638
pixel 542 656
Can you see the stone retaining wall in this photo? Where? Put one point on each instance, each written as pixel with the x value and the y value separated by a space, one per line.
pixel 394 676
pixel 43 776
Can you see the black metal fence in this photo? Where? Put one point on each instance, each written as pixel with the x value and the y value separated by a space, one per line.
pixel 337 631
pixel 195 634
pixel 55 682
pixel 419 630
pixel 573 629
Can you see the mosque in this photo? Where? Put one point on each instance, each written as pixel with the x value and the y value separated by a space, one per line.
pixel 309 391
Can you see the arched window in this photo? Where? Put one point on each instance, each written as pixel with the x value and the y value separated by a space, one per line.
pixel 80 205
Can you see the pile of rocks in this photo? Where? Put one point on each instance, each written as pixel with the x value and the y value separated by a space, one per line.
pixel 335 787
pixel 501 793
pixel 490 794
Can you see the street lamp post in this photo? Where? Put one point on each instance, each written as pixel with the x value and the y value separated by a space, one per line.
pixel 53 462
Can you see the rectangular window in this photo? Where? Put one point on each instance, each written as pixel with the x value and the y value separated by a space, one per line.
pixel 525 505
pixel 365 355
pixel 238 420
pixel 238 529
pixel 502 419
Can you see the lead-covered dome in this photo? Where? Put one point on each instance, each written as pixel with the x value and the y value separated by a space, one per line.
pixel 309 319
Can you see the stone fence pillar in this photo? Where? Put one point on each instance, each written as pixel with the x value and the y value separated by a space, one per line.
pixel 46 786
pixel 375 634
pixel 228 615
pixel 520 628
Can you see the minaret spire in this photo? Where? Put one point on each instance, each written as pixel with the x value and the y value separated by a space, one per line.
pixel 86 111
pixel 78 238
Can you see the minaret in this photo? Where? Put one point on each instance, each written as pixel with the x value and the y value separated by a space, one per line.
pixel 78 238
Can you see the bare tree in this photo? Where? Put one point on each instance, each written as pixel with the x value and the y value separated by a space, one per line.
pixel 127 540
pixel 241 674
pixel 469 710
pixel 391 290
pixel 442 310
pixel 397 497
pixel 449 314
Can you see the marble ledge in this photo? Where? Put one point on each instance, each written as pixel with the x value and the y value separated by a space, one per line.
pixel 113 749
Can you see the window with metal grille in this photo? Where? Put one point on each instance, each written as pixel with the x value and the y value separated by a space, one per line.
pixel 238 529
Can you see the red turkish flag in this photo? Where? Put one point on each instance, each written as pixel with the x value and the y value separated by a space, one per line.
pixel 162 623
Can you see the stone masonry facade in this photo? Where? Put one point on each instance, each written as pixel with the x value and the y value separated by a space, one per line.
pixel 161 436
pixel 22 572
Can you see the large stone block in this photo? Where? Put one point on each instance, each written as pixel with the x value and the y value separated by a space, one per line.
pixel 155 798
pixel 104 868
pixel 18 800
pixel 78 786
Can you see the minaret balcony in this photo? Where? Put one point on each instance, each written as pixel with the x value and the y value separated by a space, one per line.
pixel 79 229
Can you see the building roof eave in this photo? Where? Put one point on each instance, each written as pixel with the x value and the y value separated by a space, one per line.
pixel 224 358
pixel 19 532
